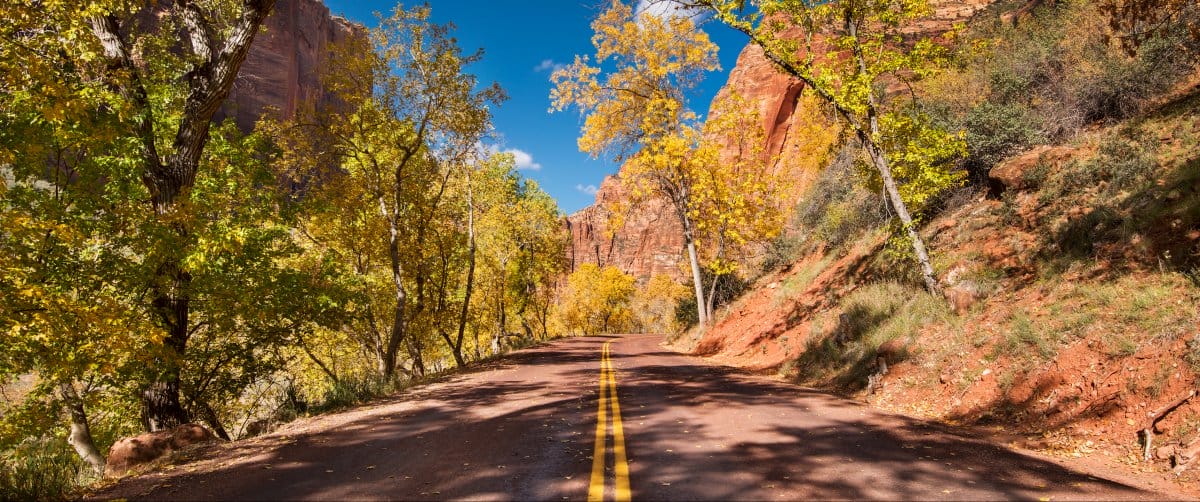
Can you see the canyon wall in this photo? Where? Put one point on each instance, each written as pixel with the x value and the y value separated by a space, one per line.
pixel 798 131
pixel 282 70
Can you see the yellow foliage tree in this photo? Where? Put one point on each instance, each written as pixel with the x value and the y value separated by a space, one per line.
pixel 845 51
pixel 654 304
pixel 637 112
pixel 597 300
pixel 735 194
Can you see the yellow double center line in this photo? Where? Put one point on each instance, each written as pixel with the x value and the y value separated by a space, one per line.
pixel 608 395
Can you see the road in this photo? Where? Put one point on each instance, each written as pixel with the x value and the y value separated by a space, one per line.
pixel 671 427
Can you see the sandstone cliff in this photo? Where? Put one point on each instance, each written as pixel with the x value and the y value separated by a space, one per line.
pixel 650 242
pixel 282 70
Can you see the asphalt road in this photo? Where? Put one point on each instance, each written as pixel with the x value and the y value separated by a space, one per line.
pixel 670 427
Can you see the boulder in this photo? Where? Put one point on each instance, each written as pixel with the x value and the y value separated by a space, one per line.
pixel 1017 173
pixel 142 449
pixel 892 351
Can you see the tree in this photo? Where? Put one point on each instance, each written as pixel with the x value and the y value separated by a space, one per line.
pixel 736 198
pixel 637 112
pixel 597 300
pixel 1136 21
pixel 865 46
pixel 654 304
pixel 520 257
pixel 415 120
pixel 168 169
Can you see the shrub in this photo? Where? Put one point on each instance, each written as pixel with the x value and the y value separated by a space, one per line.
pixel 729 288
pixel 1046 78
pixel 40 469
pixel 352 391
pixel 838 207
pixel 996 131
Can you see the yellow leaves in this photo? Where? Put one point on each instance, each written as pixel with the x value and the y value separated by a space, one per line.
pixel 922 156
pixel 735 197
pixel 597 300
pixel 641 100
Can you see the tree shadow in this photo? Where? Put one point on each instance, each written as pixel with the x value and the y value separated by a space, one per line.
pixel 693 431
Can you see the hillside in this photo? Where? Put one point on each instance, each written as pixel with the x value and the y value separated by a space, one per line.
pixel 1072 312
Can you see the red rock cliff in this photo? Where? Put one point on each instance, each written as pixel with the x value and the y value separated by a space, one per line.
pixel 282 70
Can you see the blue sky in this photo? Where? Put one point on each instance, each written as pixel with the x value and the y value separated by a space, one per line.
pixel 522 41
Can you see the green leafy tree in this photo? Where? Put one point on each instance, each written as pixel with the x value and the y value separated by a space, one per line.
pixel 415 119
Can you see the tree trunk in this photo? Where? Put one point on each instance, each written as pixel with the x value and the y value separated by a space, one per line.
pixel 927 272
pixel 397 334
pixel 462 317
pixel 210 417
pixel 414 353
pixel 478 356
pixel 712 296
pixel 694 260
pixel 160 400
pixel 885 171
pixel 80 437
pixel 208 85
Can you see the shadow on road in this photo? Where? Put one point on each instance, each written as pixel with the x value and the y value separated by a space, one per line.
pixel 523 429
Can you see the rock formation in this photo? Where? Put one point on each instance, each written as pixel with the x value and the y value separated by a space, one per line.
pixel 649 243
pixel 282 71
pixel 139 450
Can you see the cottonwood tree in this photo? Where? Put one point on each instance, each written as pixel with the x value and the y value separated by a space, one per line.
pixel 168 168
pixel 597 300
pixel 845 51
pixel 520 257
pixel 158 80
pixel 414 119
pixel 736 195
pixel 637 111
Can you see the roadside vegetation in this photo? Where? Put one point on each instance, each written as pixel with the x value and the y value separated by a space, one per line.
pixel 160 268
pixel 1005 225
pixel 1068 258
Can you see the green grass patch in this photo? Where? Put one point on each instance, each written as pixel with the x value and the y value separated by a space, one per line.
pixel 844 356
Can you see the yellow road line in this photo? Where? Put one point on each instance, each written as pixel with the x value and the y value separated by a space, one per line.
pixel 621 465
pixel 608 395
pixel 596 488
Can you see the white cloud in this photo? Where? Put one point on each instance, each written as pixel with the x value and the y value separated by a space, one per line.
pixel 588 189
pixel 549 65
pixel 524 160
pixel 669 8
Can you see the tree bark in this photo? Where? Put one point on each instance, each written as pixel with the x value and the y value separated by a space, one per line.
pixel 712 296
pixel 387 366
pixel 889 184
pixel 694 261
pixel 80 437
pixel 885 171
pixel 462 318
pixel 210 417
